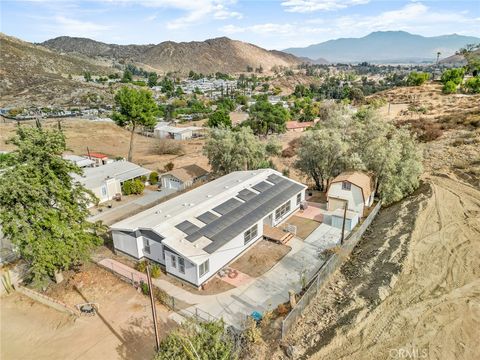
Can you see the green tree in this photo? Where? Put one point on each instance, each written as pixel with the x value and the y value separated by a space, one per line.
pixel 232 150
pixel 87 76
pixel 265 118
pixel 321 155
pixel 198 340
pixel 127 76
pixel 152 79
pixel 135 187
pixel 134 108
pixel 43 211
pixel 454 75
pixel 417 78
pixel 219 118
pixel 153 178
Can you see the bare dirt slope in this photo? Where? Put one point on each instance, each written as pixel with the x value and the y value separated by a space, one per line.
pixel 431 307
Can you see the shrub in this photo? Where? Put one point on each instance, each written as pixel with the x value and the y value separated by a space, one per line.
pixel 454 75
pixel 288 152
pixel 252 332
pixel 169 166
pixel 141 266
pixel 145 288
pixel 133 187
pixel 417 78
pixel 153 178
pixel 155 271
pixel 282 309
pixel 169 147
pixel 449 87
pixel 472 85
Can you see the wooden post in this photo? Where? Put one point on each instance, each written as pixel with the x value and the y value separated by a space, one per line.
pixel 154 311
pixel 343 224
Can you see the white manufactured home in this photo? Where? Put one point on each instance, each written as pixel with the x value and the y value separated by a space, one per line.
pixel 196 234
pixel 106 181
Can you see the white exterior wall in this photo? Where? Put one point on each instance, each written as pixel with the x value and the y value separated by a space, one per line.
pixel 128 244
pixel 353 196
pixel 293 207
pixel 191 272
pixel 171 182
pixel 156 251
pixel 110 186
pixel 228 252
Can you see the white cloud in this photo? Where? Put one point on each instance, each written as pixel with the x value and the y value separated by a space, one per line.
pixel 195 10
pixel 68 26
pixel 305 6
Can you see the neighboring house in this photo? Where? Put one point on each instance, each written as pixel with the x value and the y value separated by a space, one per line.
pixel 80 161
pixel 106 181
pixel 297 126
pixel 183 177
pixel 355 188
pixel 196 234
pixel 98 158
pixel 177 133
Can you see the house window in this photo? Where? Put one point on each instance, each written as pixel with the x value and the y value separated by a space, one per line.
pixel 346 185
pixel 146 246
pixel 104 191
pixel 181 265
pixel 174 260
pixel 299 198
pixel 282 210
pixel 250 234
pixel 204 268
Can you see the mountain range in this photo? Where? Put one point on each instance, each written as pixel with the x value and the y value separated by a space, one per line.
pixel 385 47
pixel 209 56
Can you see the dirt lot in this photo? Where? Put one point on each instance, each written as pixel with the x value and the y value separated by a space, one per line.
pixel 304 226
pixel 260 258
pixel 112 140
pixel 121 330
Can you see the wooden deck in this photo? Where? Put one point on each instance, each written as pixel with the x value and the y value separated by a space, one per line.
pixel 276 234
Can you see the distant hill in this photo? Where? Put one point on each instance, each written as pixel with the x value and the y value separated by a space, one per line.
pixel 458 59
pixel 209 56
pixel 385 47
pixel 38 75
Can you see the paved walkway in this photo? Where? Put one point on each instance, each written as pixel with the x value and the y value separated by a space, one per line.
pixel 265 292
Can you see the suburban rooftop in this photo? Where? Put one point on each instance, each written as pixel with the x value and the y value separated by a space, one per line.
pixel 202 220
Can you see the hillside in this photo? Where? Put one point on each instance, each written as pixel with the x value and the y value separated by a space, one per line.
pixel 458 59
pixel 38 75
pixel 385 47
pixel 209 56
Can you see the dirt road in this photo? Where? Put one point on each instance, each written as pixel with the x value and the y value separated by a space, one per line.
pixel 430 309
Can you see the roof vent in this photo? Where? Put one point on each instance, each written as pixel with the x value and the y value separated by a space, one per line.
pixel 226 186
pixel 209 196
pixel 167 216
pixel 191 204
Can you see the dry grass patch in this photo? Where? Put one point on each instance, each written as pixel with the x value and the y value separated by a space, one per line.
pixel 260 258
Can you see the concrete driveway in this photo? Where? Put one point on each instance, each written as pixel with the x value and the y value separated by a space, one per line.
pixel 267 291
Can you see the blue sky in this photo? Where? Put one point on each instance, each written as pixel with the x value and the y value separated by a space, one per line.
pixel 273 24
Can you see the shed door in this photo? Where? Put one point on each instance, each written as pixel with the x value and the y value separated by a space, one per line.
pixel 334 204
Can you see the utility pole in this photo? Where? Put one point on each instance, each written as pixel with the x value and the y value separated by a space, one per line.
pixel 154 311
pixel 343 224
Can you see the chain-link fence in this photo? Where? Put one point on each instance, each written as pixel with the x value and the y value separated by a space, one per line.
pixel 327 269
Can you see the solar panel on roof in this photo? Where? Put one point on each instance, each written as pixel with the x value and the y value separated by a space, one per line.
pixel 246 195
pixel 187 227
pixel 274 178
pixel 207 217
pixel 227 206
pixel 262 186
pixel 222 230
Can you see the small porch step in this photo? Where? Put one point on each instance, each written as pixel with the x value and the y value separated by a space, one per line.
pixel 275 234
